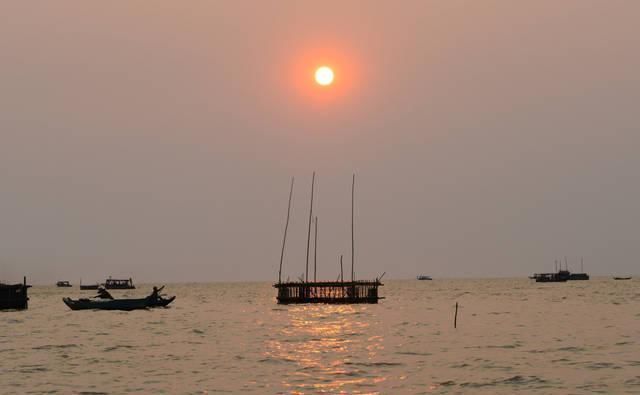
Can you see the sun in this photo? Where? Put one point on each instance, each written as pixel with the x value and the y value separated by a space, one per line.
pixel 324 76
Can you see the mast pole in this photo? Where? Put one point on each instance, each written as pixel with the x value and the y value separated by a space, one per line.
pixel 286 226
pixel 341 272
pixel 353 186
pixel 315 251
pixel 313 179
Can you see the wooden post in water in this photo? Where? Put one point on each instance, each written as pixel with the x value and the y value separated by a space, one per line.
pixel 455 317
pixel 313 179
pixel 353 186
pixel 315 252
pixel 284 239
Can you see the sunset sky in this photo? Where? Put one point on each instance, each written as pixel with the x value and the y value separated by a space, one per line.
pixel 156 140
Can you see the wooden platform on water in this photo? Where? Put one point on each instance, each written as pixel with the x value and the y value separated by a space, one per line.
pixel 330 292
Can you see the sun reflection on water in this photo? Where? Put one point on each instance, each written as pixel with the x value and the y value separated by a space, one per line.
pixel 332 348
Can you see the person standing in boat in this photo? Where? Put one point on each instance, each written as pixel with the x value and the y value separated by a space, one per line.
pixel 103 294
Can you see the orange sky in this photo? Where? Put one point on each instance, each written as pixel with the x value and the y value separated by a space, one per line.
pixel 489 138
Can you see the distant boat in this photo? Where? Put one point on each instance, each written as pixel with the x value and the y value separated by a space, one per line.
pixel 560 277
pixel 423 277
pixel 113 283
pixel 578 276
pixel 63 284
pixel 88 287
pixel 14 296
pixel 622 278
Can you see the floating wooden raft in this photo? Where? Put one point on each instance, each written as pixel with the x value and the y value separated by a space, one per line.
pixel 333 292
pixel 337 292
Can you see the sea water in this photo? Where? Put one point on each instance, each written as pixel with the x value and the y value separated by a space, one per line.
pixel 512 336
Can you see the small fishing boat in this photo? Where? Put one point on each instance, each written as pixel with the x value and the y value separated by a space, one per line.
pixel 106 304
pixel 560 277
pixel 622 278
pixel 423 277
pixel 63 284
pixel 578 276
pixel 117 304
pixel 14 296
pixel 113 283
pixel 89 287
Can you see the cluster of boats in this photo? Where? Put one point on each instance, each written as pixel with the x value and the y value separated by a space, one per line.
pixel 15 297
pixel 110 283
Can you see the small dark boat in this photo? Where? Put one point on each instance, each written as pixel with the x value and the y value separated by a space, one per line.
pixel 89 287
pixel 622 278
pixel 560 277
pixel 107 304
pixel 118 304
pixel 578 276
pixel 113 283
pixel 63 284
pixel 423 277
pixel 14 296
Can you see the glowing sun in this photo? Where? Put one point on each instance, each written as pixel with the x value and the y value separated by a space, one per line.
pixel 324 76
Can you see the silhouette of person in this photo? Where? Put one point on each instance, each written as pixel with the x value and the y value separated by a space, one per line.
pixel 103 294
pixel 155 295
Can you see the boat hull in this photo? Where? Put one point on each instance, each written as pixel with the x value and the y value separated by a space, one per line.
pixel 107 304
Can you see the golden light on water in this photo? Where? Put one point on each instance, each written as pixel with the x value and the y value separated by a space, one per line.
pixel 323 341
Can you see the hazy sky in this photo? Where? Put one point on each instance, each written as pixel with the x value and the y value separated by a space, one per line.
pixel 157 139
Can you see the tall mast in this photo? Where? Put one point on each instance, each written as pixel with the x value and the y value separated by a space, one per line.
pixel 313 179
pixel 315 252
pixel 284 239
pixel 353 186
pixel 341 273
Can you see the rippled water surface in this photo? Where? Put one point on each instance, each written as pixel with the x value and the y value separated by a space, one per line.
pixel 512 336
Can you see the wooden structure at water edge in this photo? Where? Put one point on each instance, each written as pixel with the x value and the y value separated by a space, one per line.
pixel 14 296
pixel 336 292
pixel 332 292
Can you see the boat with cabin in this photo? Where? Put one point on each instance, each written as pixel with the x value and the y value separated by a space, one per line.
pixel 560 276
pixel 63 284
pixel 422 277
pixel 14 296
pixel 113 283
pixel 88 287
